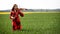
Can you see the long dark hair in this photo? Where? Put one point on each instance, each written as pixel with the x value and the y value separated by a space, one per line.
pixel 13 7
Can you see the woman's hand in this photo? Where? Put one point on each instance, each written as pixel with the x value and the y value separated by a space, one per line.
pixel 12 17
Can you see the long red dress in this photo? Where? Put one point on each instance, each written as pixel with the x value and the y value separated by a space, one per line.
pixel 16 22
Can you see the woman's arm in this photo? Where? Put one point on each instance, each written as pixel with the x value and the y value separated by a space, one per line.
pixel 11 15
pixel 21 13
pixel 23 9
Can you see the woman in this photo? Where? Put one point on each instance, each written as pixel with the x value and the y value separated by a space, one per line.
pixel 14 16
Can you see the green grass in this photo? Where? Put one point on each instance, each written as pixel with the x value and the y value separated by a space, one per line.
pixel 36 23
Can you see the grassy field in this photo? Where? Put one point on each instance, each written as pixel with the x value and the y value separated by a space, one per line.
pixel 34 23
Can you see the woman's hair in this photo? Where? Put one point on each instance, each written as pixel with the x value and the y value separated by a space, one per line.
pixel 13 7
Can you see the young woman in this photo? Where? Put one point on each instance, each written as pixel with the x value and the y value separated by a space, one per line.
pixel 14 16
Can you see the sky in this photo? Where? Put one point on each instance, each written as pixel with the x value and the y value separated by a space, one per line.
pixel 30 4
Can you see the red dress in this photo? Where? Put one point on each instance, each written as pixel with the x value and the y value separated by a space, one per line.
pixel 16 22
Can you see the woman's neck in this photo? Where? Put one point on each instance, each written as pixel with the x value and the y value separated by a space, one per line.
pixel 15 10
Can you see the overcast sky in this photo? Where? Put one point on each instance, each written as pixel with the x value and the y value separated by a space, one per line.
pixel 30 4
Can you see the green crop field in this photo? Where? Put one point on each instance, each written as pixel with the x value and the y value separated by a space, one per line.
pixel 34 23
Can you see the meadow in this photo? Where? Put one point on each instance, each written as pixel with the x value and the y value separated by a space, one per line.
pixel 33 23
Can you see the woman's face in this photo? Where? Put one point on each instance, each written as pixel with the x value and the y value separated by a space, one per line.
pixel 15 7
